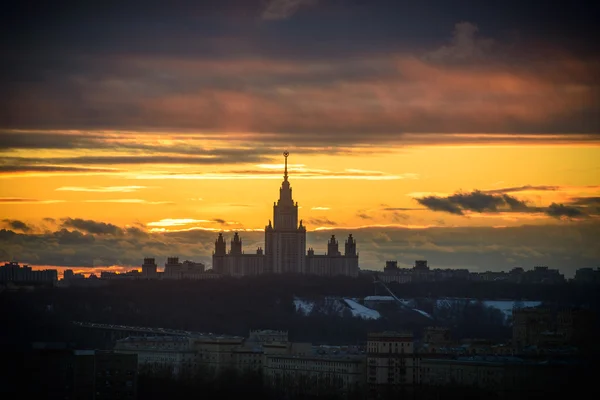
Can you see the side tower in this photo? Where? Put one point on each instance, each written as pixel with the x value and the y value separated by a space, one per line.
pixel 350 257
pixel 218 259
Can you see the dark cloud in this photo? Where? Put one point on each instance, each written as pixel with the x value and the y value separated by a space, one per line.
pixel 436 203
pixel 216 67
pixel 9 169
pixel 321 221
pixel 93 227
pixel 115 160
pixel 589 205
pixel 562 245
pixel 48 140
pixel 17 200
pixel 586 201
pixel 135 231
pixel 400 209
pixel 476 201
pixel 220 221
pixel 66 238
pixel 560 210
pixel 17 225
pixel 363 215
pixel 522 189
pixel 497 201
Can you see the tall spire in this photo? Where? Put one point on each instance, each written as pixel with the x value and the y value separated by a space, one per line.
pixel 285 174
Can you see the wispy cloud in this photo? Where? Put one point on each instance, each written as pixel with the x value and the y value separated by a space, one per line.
pixel 321 222
pixel 167 222
pixel 20 200
pixel 320 208
pixel 101 189
pixel 268 173
pixel 133 201
pixel 525 188
pixel 374 226
pixel 466 45
pixel 18 170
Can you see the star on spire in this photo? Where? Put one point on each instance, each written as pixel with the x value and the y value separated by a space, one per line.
pixel 285 174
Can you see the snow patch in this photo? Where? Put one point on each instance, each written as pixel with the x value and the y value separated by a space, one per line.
pixel 358 310
pixel 423 313
pixel 304 307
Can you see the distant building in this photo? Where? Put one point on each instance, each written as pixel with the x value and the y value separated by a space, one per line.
pixel 333 262
pixel 13 272
pixel 496 373
pixel 542 274
pixel 236 262
pixel 159 353
pixel 149 269
pixel 529 324
pixel 577 326
pixel 129 275
pixel 587 276
pixel 391 273
pixel 285 247
pixel 317 372
pixel 68 274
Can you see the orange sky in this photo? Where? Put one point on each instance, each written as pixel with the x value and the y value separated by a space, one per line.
pixel 351 189
pixel 455 140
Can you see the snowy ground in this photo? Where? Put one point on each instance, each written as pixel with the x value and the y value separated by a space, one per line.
pixel 336 306
pixel 423 313
pixel 358 310
pixel 304 307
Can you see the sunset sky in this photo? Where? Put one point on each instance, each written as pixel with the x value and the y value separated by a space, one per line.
pixel 461 133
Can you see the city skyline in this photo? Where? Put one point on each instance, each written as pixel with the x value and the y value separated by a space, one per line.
pixel 464 135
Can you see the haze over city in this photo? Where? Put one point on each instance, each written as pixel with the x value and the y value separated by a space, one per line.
pixel 467 135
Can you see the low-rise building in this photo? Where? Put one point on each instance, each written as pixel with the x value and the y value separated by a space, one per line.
pixel 528 325
pixel 391 363
pixel 315 372
pixel 172 354
pixel 491 373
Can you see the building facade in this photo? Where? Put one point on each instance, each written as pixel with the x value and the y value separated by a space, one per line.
pixel 285 247
pixel 391 363
pixel 159 353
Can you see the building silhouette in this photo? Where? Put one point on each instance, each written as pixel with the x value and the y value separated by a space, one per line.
pixel 285 246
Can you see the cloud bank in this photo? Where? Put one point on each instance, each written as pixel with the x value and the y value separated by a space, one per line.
pixel 87 243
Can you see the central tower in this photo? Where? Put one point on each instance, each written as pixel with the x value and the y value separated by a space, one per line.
pixel 285 239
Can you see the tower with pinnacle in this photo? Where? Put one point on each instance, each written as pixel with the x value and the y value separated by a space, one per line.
pixel 285 246
pixel 285 238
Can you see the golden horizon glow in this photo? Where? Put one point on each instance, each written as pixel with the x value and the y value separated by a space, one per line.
pixel 374 185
